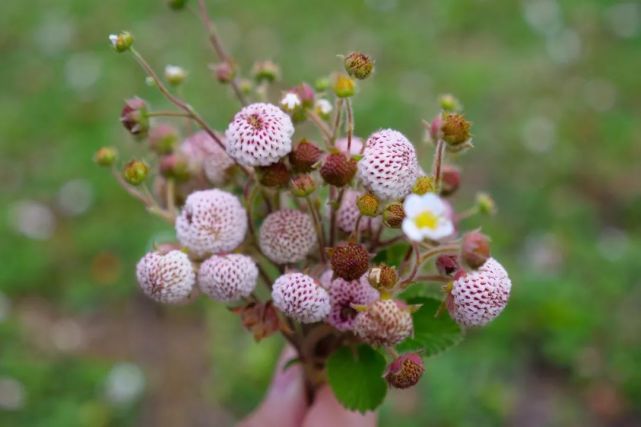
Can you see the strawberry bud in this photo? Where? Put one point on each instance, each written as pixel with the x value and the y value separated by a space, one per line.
pixel 367 205
pixel 134 117
pixel 302 185
pixel 475 249
pixel 224 72
pixel 135 172
pixel 105 156
pixel 424 184
pixel 450 180
pixel 344 86
pixel 393 215
pixel 163 138
pixel 447 265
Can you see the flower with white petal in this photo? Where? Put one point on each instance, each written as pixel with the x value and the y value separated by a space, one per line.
pixel 290 101
pixel 113 39
pixel 426 216
pixel 175 74
pixel 323 107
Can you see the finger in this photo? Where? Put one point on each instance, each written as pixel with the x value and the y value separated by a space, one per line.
pixel 326 411
pixel 284 405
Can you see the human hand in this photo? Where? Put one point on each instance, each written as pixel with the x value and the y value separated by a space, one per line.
pixel 285 404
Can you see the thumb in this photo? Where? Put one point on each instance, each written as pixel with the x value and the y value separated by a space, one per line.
pixel 326 411
pixel 285 404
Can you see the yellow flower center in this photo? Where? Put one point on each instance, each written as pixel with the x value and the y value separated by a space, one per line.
pixel 426 219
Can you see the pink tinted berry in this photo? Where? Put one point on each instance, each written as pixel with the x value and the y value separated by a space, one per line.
pixel 301 298
pixel 287 236
pixel 384 323
pixel 479 296
pixel 259 135
pixel 166 277
pixel 342 294
pixel 204 154
pixel 389 167
pixel 228 278
pixel 211 222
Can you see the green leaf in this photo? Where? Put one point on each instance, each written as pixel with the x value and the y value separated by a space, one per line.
pixel 356 377
pixel 422 290
pixel 392 256
pixel 432 334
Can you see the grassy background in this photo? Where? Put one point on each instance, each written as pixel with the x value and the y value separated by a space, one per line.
pixel 553 90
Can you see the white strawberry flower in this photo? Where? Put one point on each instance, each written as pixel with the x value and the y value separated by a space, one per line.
pixel 290 101
pixel 426 217
pixel 113 39
pixel 323 107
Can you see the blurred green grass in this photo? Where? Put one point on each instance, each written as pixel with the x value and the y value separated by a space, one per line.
pixel 553 92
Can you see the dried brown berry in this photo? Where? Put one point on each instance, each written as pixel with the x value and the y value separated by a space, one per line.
pixel 274 175
pixel 304 156
pixel 349 260
pixel 338 169
pixel 393 215
pixel 382 277
pixel 455 129
pixel 359 65
pixel 405 371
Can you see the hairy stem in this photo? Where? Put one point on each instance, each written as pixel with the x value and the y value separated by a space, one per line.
pixel 180 103
pixel 337 120
pixel 417 262
pixel 219 49
pixel 350 125
pixel 322 126
pixel 318 226
pixel 168 114
pixel 145 197
pixel 438 163
pixel 335 202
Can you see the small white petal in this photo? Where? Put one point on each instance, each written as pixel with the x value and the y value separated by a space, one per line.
pixel 113 39
pixel 444 229
pixel 290 101
pixel 414 205
pixel 434 203
pixel 411 230
pixel 324 106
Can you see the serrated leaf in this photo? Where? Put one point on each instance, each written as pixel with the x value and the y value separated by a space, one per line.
pixel 432 334
pixel 356 377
